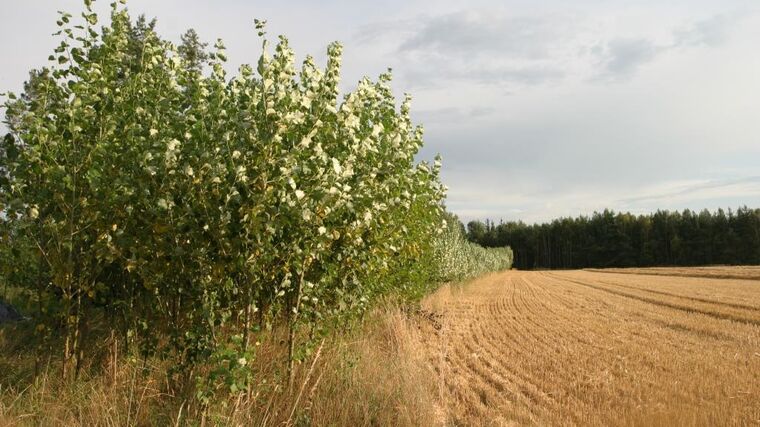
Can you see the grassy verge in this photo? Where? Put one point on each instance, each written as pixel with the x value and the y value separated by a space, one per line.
pixel 374 375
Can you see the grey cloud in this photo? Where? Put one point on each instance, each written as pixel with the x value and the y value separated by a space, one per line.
pixel 384 30
pixel 622 57
pixel 434 71
pixel 451 114
pixel 492 48
pixel 438 115
pixel 724 185
pixel 709 32
pixel 483 33
pixel 529 75
pixel 476 46
pixel 481 112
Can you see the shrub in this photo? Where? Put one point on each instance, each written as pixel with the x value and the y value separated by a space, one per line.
pixel 193 210
pixel 459 259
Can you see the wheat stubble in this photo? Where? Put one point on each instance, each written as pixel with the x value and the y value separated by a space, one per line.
pixel 599 348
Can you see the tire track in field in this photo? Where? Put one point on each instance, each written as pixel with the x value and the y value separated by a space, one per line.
pixel 562 331
pixel 592 320
pixel 519 387
pixel 692 334
pixel 576 338
pixel 675 273
pixel 491 346
pixel 481 356
pixel 480 376
pixel 525 377
pixel 548 307
pixel 526 317
pixel 686 297
pixel 684 308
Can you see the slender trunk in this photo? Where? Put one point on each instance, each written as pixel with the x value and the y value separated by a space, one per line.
pixel 293 322
pixel 247 319
pixel 40 285
pixel 260 317
pixel 69 347
pixel 291 342
pixel 80 332
pixel 114 355
pixel 247 327
pixel 66 352
pixel 71 327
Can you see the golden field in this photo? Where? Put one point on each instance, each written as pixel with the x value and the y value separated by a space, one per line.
pixel 612 347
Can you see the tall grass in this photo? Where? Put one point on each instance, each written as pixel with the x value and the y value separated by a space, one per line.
pixel 374 374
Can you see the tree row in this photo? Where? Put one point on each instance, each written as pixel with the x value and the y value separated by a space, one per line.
pixel 609 239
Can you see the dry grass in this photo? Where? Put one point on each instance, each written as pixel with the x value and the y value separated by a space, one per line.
pixel 586 348
pixel 376 375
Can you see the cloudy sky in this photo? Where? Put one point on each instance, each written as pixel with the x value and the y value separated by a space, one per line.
pixel 540 108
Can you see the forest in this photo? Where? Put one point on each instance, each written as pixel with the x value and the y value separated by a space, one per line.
pixel 610 239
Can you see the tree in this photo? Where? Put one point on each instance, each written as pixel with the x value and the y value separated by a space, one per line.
pixel 180 203
pixel 476 231
pixel 193 51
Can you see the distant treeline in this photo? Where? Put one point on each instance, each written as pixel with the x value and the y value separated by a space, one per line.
pixel 609 239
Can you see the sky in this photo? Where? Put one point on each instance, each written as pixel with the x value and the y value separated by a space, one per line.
pixel 540 109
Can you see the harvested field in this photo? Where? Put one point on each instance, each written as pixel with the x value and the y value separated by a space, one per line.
pixel 598 348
